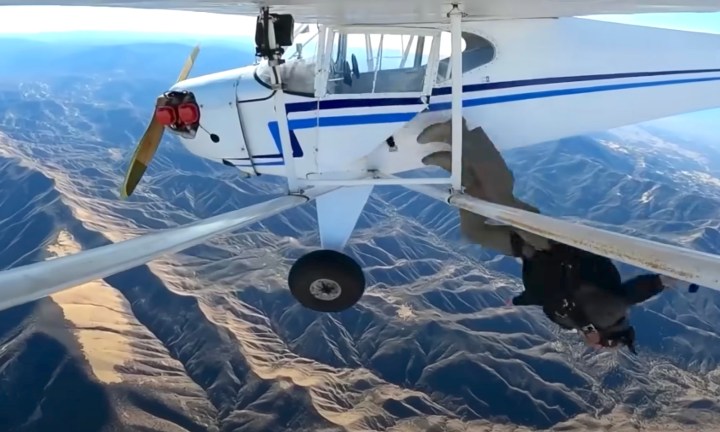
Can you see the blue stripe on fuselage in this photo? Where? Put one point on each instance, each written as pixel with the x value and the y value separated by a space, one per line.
pixel 349 103
pixel 473 88
pixel 470 88
pixel 562 92
pixel 383 118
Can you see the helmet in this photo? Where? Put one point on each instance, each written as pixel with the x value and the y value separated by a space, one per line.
pixel 621 337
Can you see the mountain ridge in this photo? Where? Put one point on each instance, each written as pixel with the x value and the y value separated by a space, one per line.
pixel 430 347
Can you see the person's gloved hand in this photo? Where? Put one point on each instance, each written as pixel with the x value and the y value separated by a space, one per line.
pixel 442 132
pixel 672 283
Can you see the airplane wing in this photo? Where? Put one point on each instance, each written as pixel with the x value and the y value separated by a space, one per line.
pixel 34 281
pixel 403 12
pixel 688 265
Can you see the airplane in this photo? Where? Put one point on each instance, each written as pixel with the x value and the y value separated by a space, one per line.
pixel 336 110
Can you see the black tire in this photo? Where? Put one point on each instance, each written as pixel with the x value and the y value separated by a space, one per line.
pixel 331 270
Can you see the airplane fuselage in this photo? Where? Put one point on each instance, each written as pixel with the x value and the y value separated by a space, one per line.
pixel 355 108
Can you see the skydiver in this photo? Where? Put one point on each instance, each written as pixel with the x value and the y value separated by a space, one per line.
pixel 584 291
pixel 485 176
pixel 577 289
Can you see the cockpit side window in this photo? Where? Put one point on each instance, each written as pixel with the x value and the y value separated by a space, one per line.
pixel 305 44
pixel 378 63
pixel 476 51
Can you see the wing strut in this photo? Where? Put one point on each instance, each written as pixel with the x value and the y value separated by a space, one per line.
pixel 456 104
pixel 34 281
pixel 680 263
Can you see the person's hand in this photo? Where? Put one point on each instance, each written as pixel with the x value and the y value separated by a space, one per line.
pixel 592 339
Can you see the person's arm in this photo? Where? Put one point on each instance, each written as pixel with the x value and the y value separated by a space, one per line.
pixel 641 288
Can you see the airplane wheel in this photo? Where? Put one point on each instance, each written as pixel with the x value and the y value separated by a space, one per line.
pixel 326 281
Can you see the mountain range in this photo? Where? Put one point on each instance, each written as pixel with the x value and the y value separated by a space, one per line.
pixel 210 339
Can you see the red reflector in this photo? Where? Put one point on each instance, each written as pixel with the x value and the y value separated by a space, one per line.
pixel 165 115
pixel 189 113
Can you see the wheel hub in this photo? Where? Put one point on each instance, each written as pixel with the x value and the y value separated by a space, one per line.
pixel 325 289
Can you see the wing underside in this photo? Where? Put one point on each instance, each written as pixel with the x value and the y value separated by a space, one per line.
pixel 34 281
pixel 403 12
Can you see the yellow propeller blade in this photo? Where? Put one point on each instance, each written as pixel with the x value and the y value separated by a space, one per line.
pixel 144 153
pixel 188 64
pixel 150 140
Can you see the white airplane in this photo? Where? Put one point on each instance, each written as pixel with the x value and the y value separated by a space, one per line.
pixel 337 110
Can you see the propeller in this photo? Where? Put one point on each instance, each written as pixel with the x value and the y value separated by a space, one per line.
pixel 150 140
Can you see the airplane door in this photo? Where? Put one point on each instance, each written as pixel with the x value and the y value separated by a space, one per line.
pixel 372 83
